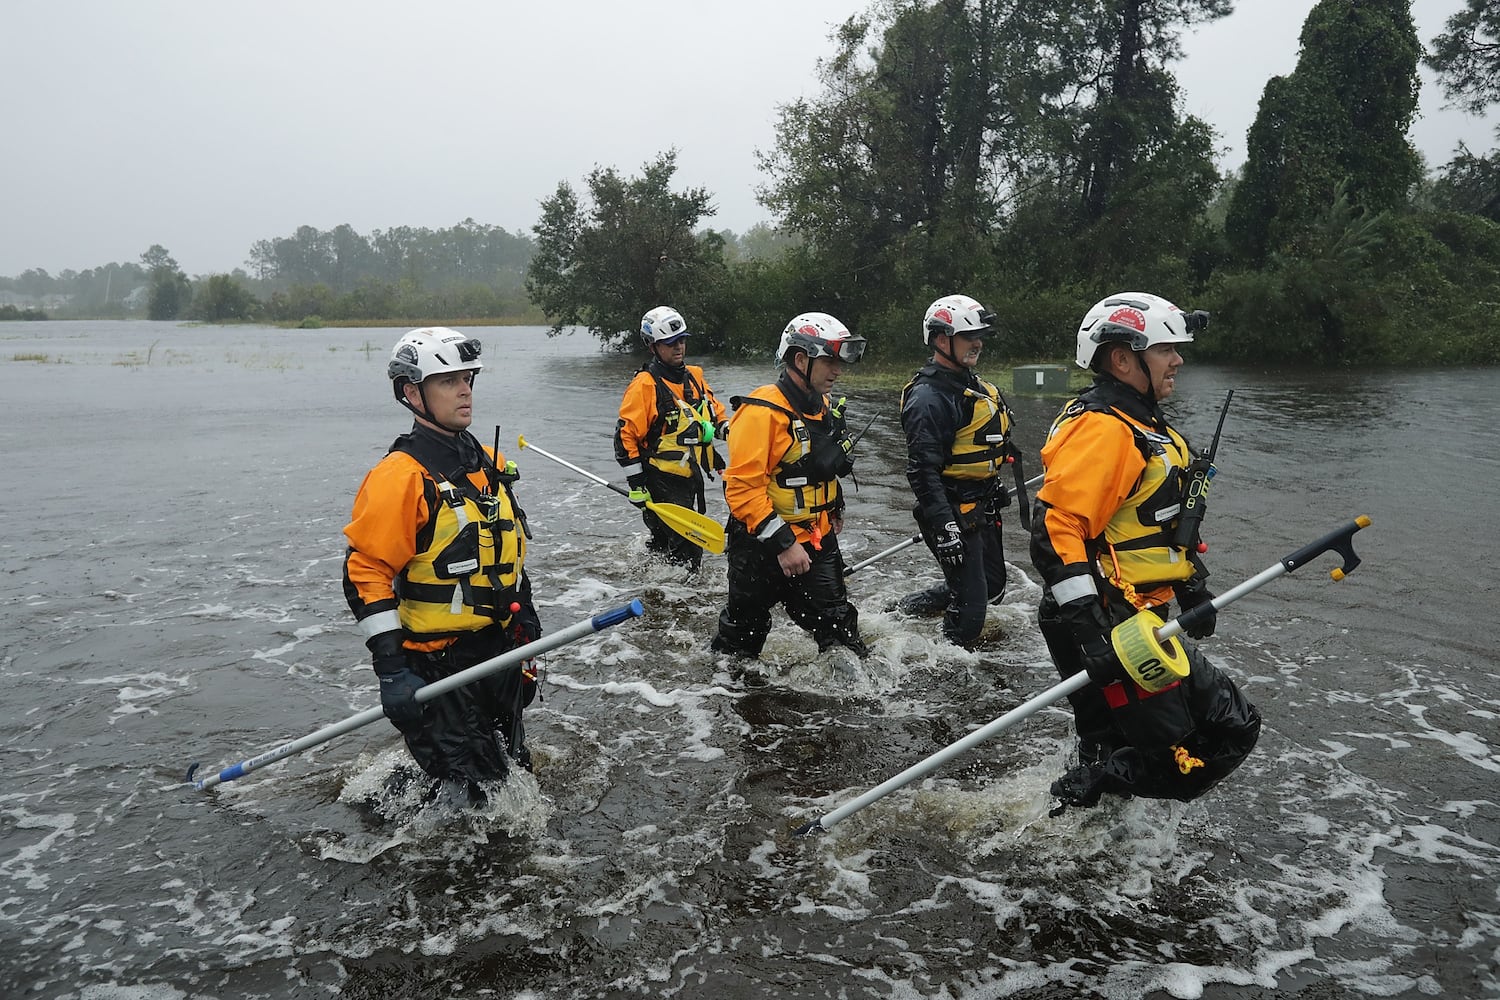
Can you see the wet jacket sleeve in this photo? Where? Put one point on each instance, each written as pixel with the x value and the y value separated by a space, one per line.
pixel 930 421
pixel 758 438
pixel 1092 465
pixel 637 414
pixel 390 510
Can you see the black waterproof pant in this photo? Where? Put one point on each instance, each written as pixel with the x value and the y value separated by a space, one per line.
pixel 684 491
pixel 816 600
pixel 1131 747
pixel 976 584
pixel 469 733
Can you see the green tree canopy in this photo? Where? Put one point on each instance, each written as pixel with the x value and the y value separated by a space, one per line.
pixel 632 245
pixel 221 299
pixel 170 290
pixel 987 143
pixel 468 253
pixel 1340 118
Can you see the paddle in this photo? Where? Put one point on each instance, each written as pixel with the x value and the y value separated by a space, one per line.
pixel 700 529
pixel 427 692
pixel 1341 540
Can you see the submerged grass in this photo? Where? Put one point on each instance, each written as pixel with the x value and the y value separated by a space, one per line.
pixel 134 359
pixel 33 356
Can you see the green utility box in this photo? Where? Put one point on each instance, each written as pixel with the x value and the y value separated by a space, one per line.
pixel 1046 379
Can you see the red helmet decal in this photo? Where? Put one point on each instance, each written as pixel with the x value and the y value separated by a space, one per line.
pixel 808 330
pixel 944 315
pixel 1127 316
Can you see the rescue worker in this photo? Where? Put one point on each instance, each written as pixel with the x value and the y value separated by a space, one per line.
pixel 787 450
pixel 664 440
pixel 1102 541
pixel 958 438
pixel 435 571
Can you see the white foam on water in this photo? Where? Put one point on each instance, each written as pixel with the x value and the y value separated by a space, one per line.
pixel 29 865
pixel 138 694
pixel 118 991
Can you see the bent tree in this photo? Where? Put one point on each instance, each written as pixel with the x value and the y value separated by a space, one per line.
pixel 631 244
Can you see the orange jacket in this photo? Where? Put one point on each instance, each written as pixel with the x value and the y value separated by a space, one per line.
pixel 639 415
pixel 392 511
pixel 760 438
pixel 1094 465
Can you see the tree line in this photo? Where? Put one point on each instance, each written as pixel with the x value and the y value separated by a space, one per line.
pixel 404 273
pixel 1035 156
pixel 1032 154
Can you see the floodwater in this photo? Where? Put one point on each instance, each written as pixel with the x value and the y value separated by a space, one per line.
pixel 169 566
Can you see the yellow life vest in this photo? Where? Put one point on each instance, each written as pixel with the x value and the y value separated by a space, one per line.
pixel 796 495
pixel 979 447
pixel 683 437
pixel 466 578
pixel 1137 543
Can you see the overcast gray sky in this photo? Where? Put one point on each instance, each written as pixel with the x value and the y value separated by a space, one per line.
pixel 205 125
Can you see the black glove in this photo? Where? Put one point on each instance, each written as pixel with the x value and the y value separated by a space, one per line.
pixel 398 682
pixel 948 545
pixel 1099 659
pixel 639 495
pixel 526 625
pixel 1087 620
pixel 1190 595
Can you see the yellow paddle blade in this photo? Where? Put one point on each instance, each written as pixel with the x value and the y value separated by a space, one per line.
pixel 700 529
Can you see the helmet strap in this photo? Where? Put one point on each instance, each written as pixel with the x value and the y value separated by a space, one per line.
pixel 799 382
pixel 805 377
pixel 947 352
pixel 1140 359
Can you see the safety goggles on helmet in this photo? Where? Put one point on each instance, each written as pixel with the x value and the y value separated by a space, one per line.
pixel 848 349
pixel 978 332
pixel 819 335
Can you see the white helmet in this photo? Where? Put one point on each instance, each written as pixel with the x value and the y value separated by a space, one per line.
pixel 1139 319
pixel 956 314
pixel 819 335
pixel 663 325
pixel 432 350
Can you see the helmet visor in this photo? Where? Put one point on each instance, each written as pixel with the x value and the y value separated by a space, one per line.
pixel 1115 333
